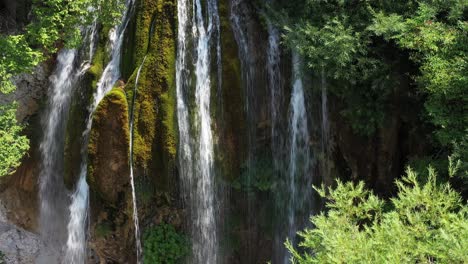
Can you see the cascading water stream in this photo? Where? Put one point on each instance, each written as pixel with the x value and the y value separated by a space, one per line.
pixel 196 153
pixel 51 187
pixel 182 77
pixel 132 179
pixel 299 178
pixel 76 242
pixel 276 93
pixel 239 26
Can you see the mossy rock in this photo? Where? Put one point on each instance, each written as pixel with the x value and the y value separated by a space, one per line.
pixel 233 135
pixel 155 131
pixel 108 148
pixel 76 124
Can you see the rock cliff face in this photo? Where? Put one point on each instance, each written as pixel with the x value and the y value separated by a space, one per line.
pixel 108 178
pixel 17 246
pixel 19 190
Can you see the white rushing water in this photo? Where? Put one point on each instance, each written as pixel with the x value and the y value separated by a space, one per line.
pixel 182 76
pixel 196 153
pixel 276 92
pixel 52 194
pixel 299 181
pixel 205 215
pixel 79 208
pixel 132 179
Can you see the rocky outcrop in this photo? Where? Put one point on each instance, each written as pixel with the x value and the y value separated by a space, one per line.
pixel 109 180
pixel 108 168
pixel 19 190
pixel 17 246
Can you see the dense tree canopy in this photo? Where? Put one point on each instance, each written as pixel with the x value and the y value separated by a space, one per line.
pixel 359 44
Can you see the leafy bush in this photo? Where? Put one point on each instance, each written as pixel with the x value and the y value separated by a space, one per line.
pixel 14 145
pixel 2 258
pixel 425 223
pixel 164 245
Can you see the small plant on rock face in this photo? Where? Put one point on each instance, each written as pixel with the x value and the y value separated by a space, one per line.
pixel 164 245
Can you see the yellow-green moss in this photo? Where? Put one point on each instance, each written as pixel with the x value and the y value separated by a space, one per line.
pixel 109 137
pixel 76 124
pixel 100 58
pixel 229 157
pixel 155 132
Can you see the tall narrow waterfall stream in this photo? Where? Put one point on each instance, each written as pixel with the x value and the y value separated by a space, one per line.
pixel 132 176
pixel 196 151
pixel 299 180
pixel 51 188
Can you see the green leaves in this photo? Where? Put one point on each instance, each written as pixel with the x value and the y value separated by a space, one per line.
pixel 358 45
pixel 54 22
pixel 14 145
pixel 164 245
pixel 16 57
pixel 425 223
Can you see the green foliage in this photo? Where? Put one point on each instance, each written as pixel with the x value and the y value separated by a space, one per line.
pixel 14 145
pixel 57 20
pixel 459 160
pixel 17 57
pixel 426 222
pixel 436 34
pixel 358 46
pixel 2 258
pixel 164 245
pixel 54 21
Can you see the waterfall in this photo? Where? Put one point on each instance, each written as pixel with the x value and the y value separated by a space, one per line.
pixel 52 192
pixel 240 30
pixel 239 27
pixel 299 179
pixel 132 180
pixel 182 83
pixel 79 207
pixel 276 93
pixel 196 153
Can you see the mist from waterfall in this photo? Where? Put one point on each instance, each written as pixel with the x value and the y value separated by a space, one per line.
pixel 79 208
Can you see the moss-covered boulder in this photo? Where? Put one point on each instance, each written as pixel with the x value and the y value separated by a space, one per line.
pixel 108 165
